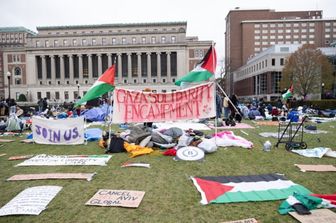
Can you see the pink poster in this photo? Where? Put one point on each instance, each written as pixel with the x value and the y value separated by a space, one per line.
pixel 137 106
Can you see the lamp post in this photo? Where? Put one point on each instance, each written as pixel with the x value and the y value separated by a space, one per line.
pixel 322 91
pixel 78 86
pixel 9 77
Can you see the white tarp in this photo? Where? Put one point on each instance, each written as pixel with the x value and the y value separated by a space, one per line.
pixel 184 125
pixel 68 131
pixel 31 201
pixel 72 160
pixel 316 152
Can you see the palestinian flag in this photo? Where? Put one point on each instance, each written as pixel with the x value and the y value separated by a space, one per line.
pixel 289 93
pixel 302 204
pixel 104 84
pixel 230 189
pixel 203 70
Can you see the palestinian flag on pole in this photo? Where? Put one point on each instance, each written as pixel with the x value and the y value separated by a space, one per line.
pixel 303 204
pixel 203 70
pixel 230 189
pixel 104 84
pixel 289 93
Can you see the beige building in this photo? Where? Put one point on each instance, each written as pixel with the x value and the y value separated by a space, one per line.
pixel 62 62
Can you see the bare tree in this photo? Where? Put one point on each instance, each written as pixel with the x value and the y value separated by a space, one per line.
pixel 307 68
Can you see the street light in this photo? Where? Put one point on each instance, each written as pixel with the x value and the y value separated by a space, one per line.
pixel 78 86
pixel 322 91
pixel 8 77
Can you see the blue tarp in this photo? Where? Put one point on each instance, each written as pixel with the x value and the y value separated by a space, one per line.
pixel 93 134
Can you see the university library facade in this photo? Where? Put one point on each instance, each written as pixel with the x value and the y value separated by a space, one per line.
pixel 62 62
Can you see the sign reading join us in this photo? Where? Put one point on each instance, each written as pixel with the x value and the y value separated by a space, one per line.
pixel 137 106
pixel 61 132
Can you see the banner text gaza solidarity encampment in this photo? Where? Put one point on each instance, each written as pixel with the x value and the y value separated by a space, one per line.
pixel 136 106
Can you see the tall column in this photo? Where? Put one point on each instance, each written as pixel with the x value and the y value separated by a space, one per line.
pixel 44 70
pixel 62 68
pixel 139 67
pixel 158 66
pixel 129 65
pixel 99 64
pixel 71 69
pixel 149 72
pixel 119 68
pixel 36 67
pixel 53 73
pixel 90 68
pixel 109 59
pixel 168 67
pixel 80 68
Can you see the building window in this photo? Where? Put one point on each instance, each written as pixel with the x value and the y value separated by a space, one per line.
pixel 303 24
pixel 94 42
pixel 125 81
pixel 311 30
pixel 288 31
pixel 154 80
pixel 257 43
pixel 256 37
pixel 264 37
pixel 288 36
pixel 280 31
pixel 327 30
pixel 163 39
pixel 48 95
pixel 17 71
pixel 280 37
pixel 84 42
pixel 256 25
pixel 303 36
pixel 39 95
pixel 296 36
pixel 134 81
pixel 257 31
pixel 296 30
pixel 273 61
pixel 123 40
pixel 311 24
pixel 17 81
pixel 74 42
pixel 143 40
pixel 57 95
pixel 272 37
pixel 114 41
pixel 288 25
pixel 327 23
pixel 55 42
pixel 133 40
pixel 144 81
pixel 47 43
pixel 282 61
pixel 272 25
pixel 153 39
pixel 272 31
pixel 104 41
pixel 66 95
pixel 265 31
pixel 296 25
pixel 264 25
pixel 173 39
pixel 311 36
pixel 303 30
pixel 327 35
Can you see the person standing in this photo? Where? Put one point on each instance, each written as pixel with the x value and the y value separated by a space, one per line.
pixel 226 107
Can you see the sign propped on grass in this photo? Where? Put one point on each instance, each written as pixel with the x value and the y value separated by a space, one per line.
pixel 52 176
pixel 316 216
pixel 316 168
pixel 31 201
pixel 122 198
pixel 248 220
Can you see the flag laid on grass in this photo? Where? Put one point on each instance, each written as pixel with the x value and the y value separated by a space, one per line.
pixel 104 84
pixel 203 70
pixel 289 93
pixel 302 204
pixel 230 189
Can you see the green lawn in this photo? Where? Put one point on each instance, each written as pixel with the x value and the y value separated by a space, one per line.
pixel 170 195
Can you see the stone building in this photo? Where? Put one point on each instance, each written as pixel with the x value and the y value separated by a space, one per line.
pixel 62 62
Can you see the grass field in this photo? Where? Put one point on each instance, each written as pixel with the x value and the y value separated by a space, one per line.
pixel 170 195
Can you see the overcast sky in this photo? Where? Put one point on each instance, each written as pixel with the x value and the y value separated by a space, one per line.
pixel 205 19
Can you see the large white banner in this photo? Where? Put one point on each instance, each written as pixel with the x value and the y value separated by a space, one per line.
pixel 71 160
pixel 137 106
pixel 68 131
pixel 31 201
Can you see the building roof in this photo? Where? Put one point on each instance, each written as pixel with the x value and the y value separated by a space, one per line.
pixel 289 20
pixel 115 25
pixel 17 29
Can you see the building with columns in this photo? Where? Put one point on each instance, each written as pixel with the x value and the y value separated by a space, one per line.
pixel 62 62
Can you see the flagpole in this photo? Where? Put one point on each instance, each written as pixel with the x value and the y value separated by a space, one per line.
pixel 228 98
pixel 213 66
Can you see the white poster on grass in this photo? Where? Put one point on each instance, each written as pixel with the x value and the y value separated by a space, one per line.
pixel 68 131
pixel 31 201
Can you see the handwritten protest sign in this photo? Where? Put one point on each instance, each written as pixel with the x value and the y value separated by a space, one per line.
pixel 123 198
pixel 59 132
pixel 43 176
pixel 31 201
pixel 72 160
pixel 137 106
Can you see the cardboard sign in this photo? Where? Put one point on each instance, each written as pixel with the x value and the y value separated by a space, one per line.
pixel 72 160
pixel 316 216
pixel 122 198
pixel 68 131
pixel 137 106
pixel 6 140
pixel 248 220
pixel 51 176
pixel 316 168
pixel 20 157
pixel 31 201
